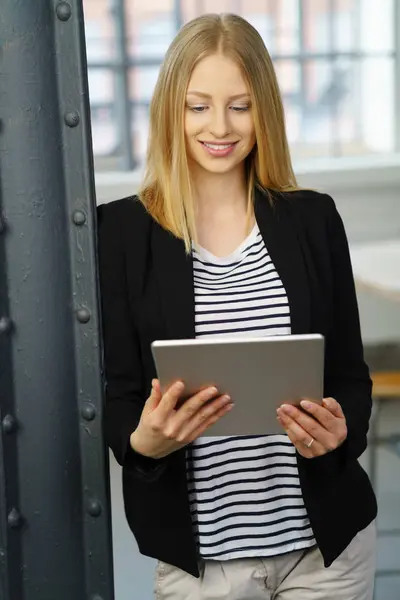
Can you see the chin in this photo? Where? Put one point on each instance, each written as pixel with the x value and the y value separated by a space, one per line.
pixel 218 166
pixel 223 171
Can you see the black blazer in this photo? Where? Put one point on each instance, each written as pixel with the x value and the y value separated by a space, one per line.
pixel 147 294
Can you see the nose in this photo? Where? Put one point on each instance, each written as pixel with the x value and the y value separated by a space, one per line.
pixel 219 125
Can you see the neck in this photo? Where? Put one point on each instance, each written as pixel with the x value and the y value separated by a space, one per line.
pixel 219 193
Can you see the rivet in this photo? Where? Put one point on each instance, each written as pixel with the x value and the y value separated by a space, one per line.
pixel 88 412
pixel 2 224
pixel 9 424
pixel 94 507
pixel 63 11
pixel 5 325
pixel 14 519
pixel 83 315
pixel 72 118
pixel 79 217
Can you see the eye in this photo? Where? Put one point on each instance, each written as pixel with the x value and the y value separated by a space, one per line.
pixel 240 108
pixel 198 109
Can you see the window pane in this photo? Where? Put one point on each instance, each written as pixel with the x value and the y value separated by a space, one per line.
pixel 100 32
pixel 346 27
pixel 377 107
pixel 377 25
pixel 347 135
pixel 104 129
pixel 142 82
pixel 314 105
pixel 140 128
pixel 287 31
pixel 316 17
pixel 150 33
pixel 288 73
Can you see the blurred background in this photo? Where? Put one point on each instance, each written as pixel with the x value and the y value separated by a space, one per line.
pixel 338 65
pixel 335 61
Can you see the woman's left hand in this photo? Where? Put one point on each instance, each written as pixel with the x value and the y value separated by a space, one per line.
pixel 321 429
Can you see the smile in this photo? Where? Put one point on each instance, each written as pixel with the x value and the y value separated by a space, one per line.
pixel 219 149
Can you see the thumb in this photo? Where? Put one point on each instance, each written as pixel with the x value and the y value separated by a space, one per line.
pixel 155 396
pixel 334 407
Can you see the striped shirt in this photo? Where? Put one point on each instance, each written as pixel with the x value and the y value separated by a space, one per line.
pixel 244 492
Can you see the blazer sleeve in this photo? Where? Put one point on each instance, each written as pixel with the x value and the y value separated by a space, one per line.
pixel 346 373
pixel 125 395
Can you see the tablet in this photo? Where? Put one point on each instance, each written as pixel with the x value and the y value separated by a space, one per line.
pixel 259 374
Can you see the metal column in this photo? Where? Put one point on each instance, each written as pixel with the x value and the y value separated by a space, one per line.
pixel 55 533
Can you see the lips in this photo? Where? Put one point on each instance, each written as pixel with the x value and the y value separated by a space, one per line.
pixel 219 149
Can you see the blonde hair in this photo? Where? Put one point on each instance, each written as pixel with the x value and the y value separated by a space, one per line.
pixel 166 191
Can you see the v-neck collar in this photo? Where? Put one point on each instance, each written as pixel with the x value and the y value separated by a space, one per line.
pixel 233 256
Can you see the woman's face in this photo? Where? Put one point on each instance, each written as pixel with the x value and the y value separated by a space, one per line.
pixel 219 127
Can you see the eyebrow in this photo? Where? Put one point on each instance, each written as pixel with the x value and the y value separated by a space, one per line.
pixel 203 95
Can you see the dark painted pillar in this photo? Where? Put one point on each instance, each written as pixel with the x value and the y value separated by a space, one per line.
pixel 55 534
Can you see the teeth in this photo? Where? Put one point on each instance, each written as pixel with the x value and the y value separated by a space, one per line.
pixel 218 146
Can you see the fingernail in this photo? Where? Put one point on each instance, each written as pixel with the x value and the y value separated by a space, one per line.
pixel 327 402
pixel 179 386
pixel 287 408
pixel 230 406
pixel 305 404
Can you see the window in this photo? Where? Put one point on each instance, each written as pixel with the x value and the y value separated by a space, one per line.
pixel 336 62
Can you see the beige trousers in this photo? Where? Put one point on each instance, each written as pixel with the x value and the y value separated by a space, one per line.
pixel 300 575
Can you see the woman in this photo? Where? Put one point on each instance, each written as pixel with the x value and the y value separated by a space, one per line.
pixel 222 241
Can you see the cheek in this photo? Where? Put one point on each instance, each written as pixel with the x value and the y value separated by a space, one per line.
pixel 192 127
pixel 247 131
pixel 253 139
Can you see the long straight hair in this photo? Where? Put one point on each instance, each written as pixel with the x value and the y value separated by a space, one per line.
pixel 166 191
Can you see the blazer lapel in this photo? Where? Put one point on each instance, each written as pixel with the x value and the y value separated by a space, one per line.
pixel 174 271
pixel 284 245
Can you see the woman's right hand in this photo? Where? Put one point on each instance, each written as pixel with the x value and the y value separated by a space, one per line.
pixel 165 428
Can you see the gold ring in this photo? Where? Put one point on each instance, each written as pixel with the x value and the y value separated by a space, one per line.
pixel 310 443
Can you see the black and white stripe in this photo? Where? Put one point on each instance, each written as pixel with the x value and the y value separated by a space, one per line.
pixel 244 492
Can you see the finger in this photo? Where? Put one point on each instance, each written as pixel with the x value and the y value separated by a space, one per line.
pixel 202 428
pixel 334 407
pixel 320 413
pixel 170 399
pixel 295 430
pixel 307 422
pixel 193 405
pixel 305 427
pixel 200 420
pixel 323 414
pixel 155 396
pixel 316 449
